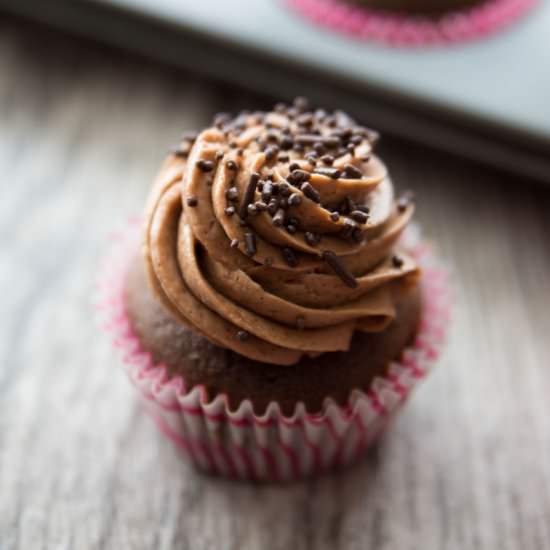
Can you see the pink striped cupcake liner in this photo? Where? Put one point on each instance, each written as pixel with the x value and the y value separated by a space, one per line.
pixel 405 30
pixel 271 447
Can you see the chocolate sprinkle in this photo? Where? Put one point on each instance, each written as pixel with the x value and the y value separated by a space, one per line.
pixel 205 165
pixel 295 199
pixel 232 194
pixel 284 189
pixel 310 192
pixel 279 218
pixel 404 201
pixel 336 265
pixel 359 217
pixel 349 226
pixel 352 171
pixel 330 121
pixel 319 148
pixel 312 139
pixel 252 210
pixel 242 335
pixel 327 160
pixel 397 262
pixel 234 243
pixel 334 216
pixel 349 206
pixel 290 257
pixel 363 208
pixel 343 133
pixel 192 201
pixel 305 120
pixel 291 228
pixel 301 103
pixel 232 165
pixel 298 176
pixel 333 173
pixel 286 143
pixel 250 244
pixel 249 194
pixel 273 206
pixel 312 238
pixel 271 153
pixel 229 210
pixel 312 159
pixel 221 119
pixel 267 191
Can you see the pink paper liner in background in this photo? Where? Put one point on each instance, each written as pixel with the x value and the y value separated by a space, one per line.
pixel 406 30
pixel 271 447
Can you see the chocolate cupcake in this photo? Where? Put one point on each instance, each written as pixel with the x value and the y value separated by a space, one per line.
pixel 273 287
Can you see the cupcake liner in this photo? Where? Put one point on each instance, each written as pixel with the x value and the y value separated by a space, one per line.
pixel 273 446
pixel 404 30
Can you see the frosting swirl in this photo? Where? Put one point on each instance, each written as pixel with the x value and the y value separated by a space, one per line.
pixel 273 234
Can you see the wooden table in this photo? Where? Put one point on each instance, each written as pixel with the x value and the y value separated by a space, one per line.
pixel 467 465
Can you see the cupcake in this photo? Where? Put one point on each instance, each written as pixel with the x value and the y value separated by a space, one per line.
pixel 275 317
pixel 429 7
pixel 413 23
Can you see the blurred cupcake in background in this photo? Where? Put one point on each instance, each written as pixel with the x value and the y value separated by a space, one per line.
pixel 280 311
pixel 414 23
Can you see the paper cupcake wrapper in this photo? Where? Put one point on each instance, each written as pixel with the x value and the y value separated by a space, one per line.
pixel 271 447
pixel 412 30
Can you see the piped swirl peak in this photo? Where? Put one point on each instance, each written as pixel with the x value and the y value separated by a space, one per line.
pixel 281 226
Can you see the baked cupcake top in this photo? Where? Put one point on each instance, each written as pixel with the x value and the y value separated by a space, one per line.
pixel 273 234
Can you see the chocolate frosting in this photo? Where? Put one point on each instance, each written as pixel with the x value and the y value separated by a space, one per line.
pixel 274 234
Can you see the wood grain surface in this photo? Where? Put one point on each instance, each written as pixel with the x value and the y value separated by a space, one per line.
pixel 466 466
